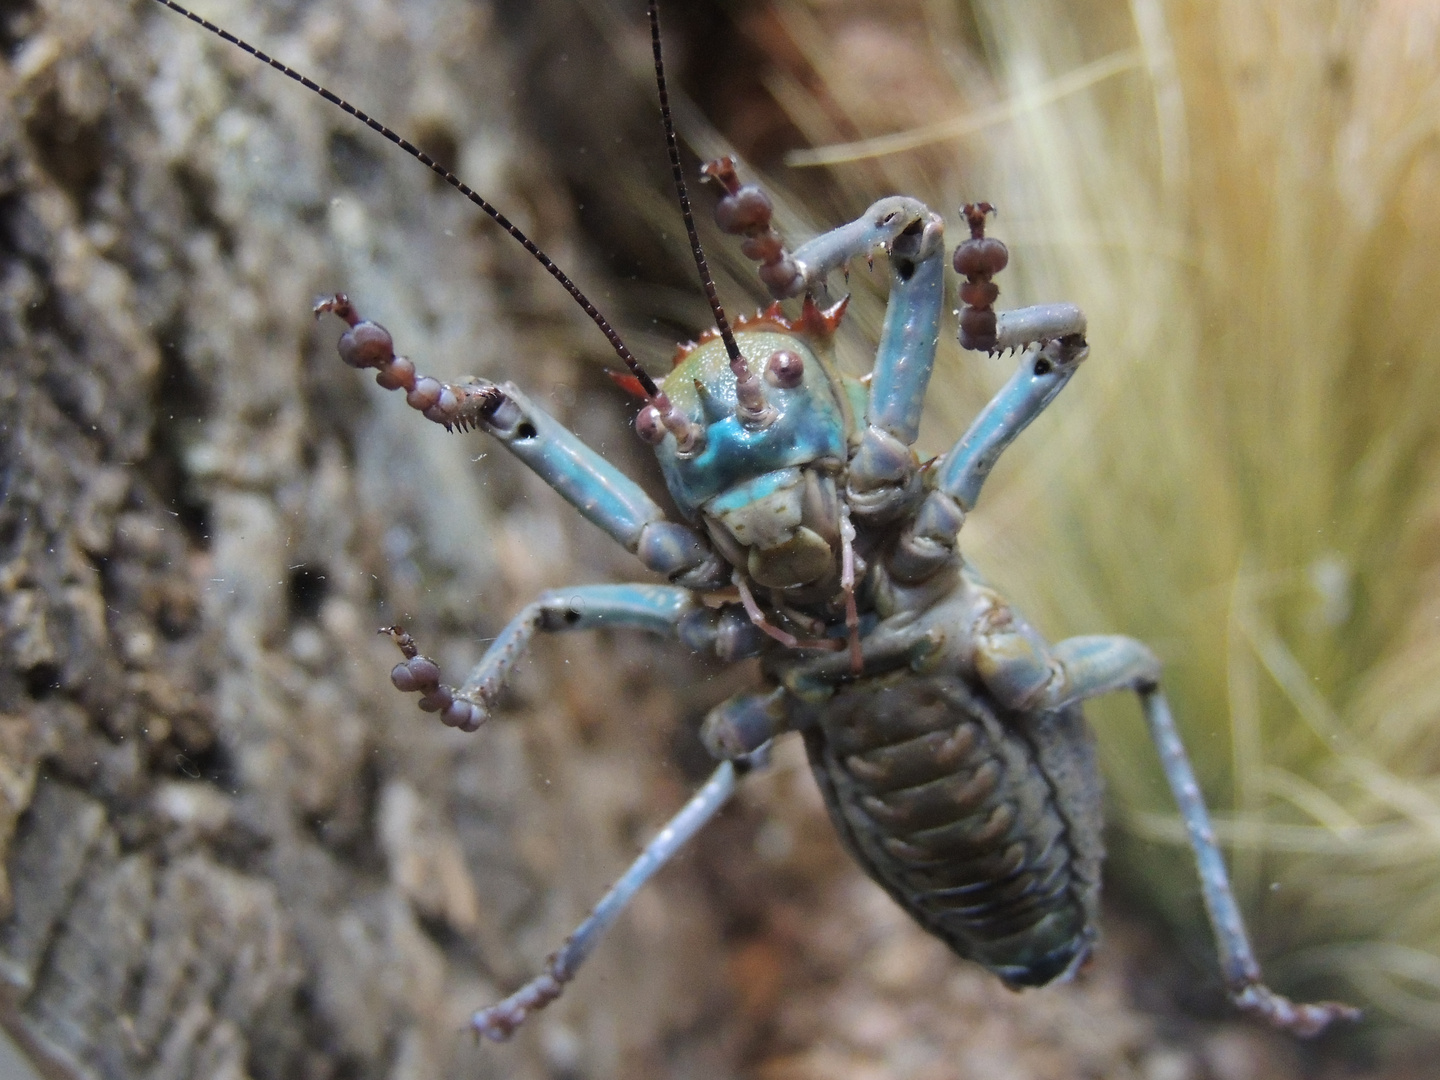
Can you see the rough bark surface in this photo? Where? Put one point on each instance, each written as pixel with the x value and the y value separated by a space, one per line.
pixel 229 848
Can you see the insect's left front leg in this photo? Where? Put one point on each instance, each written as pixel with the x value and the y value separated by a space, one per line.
pixel 1039 378
pixel 1058 330
pixel 1025 675
pixel 882 472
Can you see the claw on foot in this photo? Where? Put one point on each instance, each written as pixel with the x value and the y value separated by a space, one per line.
pixel 500 1021
pixel 367 344
pixel 1298 1018
pixel 419 674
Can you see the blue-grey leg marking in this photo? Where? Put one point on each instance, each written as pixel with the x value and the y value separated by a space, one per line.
pixel 1023 327
pixel 906 354
pixel 600 491
pixel 657 608
pixel 500 1021
pixel 1034 385
pixel 878 227
pixel 1237 959
pixel 1085 667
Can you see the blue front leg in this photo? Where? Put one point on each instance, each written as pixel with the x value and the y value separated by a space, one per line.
pixel 914 238
pixel 883 477
pixel 605 495
pixel 906 355
pixel 1040 377
pixel 883 468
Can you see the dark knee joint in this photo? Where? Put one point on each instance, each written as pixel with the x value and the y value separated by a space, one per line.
pixel 740 726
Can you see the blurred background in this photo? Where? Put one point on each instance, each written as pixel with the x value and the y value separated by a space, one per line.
pixel 232 850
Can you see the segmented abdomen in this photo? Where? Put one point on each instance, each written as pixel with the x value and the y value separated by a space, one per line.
pixel 984 826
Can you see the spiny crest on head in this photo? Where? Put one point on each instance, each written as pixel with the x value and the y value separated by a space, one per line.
pixel 817 323
pixel 627 382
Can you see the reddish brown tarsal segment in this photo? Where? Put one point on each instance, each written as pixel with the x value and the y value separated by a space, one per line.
pixel 979 258
pixel 418 674
pixel 366 344
pixel 745 210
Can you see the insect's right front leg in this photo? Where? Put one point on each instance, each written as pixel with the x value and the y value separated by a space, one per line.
pixel 600 491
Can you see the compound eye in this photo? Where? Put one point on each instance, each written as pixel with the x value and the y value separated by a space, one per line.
pixel 785 369
pixel 649 426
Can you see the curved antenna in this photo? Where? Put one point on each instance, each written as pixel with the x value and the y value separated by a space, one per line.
pixel 753 409
pixel 646 382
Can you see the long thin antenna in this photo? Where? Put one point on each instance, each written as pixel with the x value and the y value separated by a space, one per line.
pixel 646 382
pixel 753 409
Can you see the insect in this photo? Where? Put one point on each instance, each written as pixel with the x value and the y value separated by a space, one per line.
pixel 945 734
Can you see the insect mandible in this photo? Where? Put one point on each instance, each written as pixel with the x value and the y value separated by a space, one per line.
pixel 945 734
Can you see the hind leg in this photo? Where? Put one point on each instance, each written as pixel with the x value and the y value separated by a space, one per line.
pixel 499 1022
pixel 1024 675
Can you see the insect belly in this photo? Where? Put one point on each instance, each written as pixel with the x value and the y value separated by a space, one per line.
pixel 983 825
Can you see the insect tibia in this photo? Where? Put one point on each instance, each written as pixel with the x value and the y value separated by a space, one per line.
pixel 1024 327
